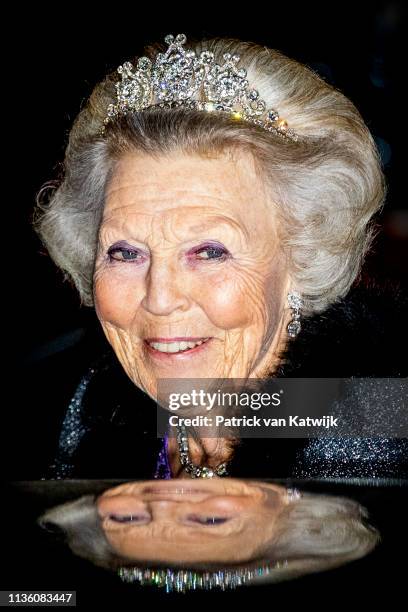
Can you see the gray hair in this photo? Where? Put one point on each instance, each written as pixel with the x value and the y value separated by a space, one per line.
pixel 315 533
pixel 325 188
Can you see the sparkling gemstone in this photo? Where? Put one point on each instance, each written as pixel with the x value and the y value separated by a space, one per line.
pixel 144 63
pixel 209 106
pixel 207 56
pixel 294 328
pixel 207 472
pixel 282 125
pixel 294 300
pixel 222 469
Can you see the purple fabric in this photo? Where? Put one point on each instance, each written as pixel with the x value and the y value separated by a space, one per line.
pixel 163 469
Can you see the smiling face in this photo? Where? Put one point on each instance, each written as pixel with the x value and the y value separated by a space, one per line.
pixel 211 521
pixel 190 280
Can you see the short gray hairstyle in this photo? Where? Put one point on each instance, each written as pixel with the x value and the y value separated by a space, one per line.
pixel 326 188
pixel 315 533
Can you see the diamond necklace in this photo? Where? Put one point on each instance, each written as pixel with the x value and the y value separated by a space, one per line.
pixel 196 471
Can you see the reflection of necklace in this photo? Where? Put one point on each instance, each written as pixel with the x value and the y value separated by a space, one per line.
pixel 196 471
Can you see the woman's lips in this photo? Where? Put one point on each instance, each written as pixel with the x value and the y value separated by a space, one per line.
pixel 180 490
pixel 176 339
pixel 175 344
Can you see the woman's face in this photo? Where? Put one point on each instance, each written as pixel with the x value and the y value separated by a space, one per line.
pixel 211 521
pixel 188 253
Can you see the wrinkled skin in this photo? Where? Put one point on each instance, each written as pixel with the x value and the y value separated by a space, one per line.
pixel 223 520
pixel 189 246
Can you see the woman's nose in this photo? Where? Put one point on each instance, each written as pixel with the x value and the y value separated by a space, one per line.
pixel 164 509
pixel 164 289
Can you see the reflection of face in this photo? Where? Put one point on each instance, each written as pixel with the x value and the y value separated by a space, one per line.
pixel 188 249
pixel 171 521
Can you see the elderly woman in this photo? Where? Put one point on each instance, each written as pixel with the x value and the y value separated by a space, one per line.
pixel 219 533
pixel 216 207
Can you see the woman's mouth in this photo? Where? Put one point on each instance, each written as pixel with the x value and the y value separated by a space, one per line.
pixel 170 347
pixel 180 490
pixel 175 488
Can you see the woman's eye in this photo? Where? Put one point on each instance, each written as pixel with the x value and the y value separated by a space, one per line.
pixel 122 254
pixel 209 520
pixel 128 518
pixel 211 252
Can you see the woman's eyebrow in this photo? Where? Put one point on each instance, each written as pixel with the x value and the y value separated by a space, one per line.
pixel 199 227
pixel 216 222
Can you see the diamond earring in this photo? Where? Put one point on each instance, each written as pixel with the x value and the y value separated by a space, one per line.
pixel 293 494
pixel 295 302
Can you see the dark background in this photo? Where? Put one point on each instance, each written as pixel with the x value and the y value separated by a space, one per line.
pixel 55 59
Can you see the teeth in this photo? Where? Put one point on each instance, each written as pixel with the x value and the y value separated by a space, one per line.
pixel 175 347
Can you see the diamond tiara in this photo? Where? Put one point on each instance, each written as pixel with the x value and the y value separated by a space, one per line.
pixel 183 580
pixel 179 78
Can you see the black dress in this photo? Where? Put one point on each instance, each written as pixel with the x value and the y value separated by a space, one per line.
pixel 82 417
